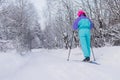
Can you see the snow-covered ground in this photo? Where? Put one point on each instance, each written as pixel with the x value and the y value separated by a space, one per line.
pixel 53 65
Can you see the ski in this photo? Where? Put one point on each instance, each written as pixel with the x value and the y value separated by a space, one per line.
pixel 92 62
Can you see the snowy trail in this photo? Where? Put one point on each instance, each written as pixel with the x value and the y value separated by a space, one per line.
pixel 52 65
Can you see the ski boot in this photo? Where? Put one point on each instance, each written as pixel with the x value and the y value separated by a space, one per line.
pixel 87 59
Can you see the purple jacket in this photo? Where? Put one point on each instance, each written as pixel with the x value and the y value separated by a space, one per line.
pixel 76 26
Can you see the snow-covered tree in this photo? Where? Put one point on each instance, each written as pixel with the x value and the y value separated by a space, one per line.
pixel 19 19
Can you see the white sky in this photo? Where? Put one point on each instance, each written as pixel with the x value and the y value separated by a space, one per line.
pixel 40 5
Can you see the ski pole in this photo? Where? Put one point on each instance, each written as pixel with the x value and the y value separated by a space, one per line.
pixel 92 51
pixel 70 46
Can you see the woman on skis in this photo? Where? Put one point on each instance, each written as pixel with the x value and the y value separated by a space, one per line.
pixel 84 25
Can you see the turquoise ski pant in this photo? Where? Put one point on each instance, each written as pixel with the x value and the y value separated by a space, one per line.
pixel 84 36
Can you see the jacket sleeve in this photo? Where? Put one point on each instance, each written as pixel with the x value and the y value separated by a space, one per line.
pixel 91 24
pixel 75 24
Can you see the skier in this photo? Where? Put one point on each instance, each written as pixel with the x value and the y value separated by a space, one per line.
pixel 84 25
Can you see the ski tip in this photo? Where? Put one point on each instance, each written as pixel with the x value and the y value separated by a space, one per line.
pixel 93 62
